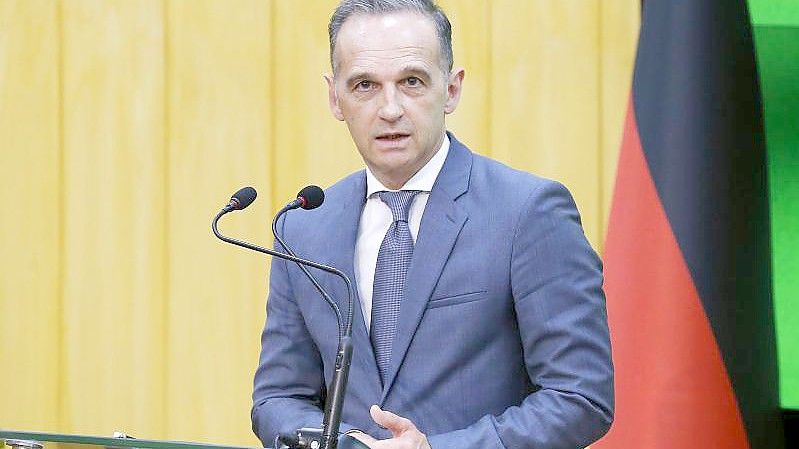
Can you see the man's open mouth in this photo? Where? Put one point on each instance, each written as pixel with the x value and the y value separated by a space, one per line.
pixel 392 136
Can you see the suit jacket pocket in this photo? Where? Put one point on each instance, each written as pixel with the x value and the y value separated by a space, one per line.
pixel 456 299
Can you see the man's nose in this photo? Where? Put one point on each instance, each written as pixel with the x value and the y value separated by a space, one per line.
pixel 391 110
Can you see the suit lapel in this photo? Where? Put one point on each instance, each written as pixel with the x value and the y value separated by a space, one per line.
pixel 441 223
pixel 343 234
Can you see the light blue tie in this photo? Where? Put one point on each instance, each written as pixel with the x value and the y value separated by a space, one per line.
pixel 393 260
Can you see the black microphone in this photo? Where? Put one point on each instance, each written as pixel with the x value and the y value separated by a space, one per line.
pixel 335 400
pixel 311 197
pixel 241 199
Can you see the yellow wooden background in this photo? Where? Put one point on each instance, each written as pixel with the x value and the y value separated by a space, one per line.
pixel 125 125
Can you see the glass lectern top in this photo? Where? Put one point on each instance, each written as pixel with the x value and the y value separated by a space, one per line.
pixel 62 441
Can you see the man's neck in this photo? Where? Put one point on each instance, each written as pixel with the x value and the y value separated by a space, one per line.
pixel 423 179
pixel 395 185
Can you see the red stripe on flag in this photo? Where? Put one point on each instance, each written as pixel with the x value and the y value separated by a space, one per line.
pixel 672 388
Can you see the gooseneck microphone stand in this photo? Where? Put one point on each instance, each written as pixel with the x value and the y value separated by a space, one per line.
pixel 328 436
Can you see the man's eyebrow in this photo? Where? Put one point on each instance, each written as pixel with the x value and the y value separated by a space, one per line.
pixel 357 76
pixel 416 70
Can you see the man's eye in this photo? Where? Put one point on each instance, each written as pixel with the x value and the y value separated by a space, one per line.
pixel 363 85
pixel 413 81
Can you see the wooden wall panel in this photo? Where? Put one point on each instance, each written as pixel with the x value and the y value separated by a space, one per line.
pixel 545 100
pixel 218 78
pixel 471 45
pixel 30 244
pixel 114 269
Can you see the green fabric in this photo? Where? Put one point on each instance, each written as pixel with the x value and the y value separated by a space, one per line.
pixel 774 12
pixel 778 61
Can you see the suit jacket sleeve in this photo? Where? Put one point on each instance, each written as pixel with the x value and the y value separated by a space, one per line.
pixel 560 308
pixel 289 382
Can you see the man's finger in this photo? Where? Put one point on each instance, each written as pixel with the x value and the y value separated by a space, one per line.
pixel 394 423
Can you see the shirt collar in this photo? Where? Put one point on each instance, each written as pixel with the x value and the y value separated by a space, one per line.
pixel 423 180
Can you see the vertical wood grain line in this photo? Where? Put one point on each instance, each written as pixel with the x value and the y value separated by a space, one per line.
pixel 600 165
pixel 272 109
pixel 165 240
pixel 60 403
pixel 489 61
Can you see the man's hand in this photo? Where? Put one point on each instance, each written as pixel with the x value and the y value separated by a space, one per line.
pixel 405 434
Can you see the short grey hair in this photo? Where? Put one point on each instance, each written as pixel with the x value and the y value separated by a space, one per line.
pixel 427 8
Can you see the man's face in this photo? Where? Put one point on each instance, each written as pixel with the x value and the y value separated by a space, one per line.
pixel 391 90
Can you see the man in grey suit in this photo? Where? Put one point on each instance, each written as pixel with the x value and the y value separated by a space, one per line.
pixel 480 320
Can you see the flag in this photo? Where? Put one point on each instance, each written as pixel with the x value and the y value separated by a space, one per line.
pixel 687 255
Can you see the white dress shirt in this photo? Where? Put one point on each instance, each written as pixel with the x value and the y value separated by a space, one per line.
pixel 376 218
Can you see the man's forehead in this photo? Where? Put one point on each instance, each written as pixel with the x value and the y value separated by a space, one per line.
pixel 406 32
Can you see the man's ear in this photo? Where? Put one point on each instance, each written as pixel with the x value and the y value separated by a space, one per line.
pixel 454 84
pixel 332 97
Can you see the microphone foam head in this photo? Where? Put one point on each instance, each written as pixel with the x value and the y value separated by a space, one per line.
pixel 243 198
pixel 311 197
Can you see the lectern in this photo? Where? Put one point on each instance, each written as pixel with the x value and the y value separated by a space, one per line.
pixel 38 440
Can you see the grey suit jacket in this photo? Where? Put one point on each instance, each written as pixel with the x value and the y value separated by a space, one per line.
pixel 502 340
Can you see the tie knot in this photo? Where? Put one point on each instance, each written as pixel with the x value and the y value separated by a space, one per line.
pixel 399 202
